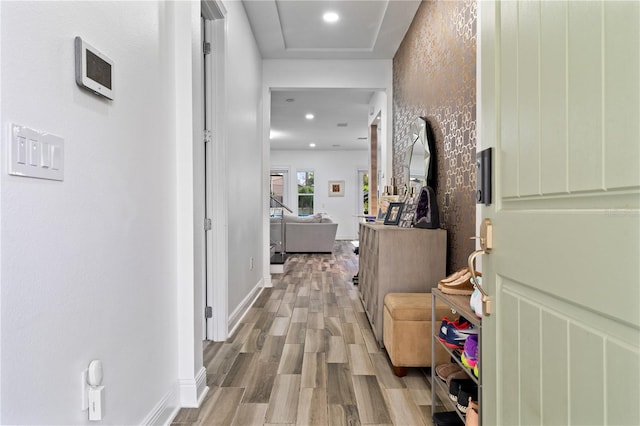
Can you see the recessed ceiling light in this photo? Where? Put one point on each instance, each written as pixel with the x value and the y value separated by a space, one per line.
pixel 312 145
pixel 289 100
pixel 342 124
pixel 331 17
pixel 309 116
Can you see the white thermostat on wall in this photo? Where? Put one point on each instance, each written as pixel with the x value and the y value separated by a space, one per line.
pixel 94 71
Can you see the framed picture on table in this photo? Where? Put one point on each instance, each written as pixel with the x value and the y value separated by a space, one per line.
pixel 394 213
pixel 383 206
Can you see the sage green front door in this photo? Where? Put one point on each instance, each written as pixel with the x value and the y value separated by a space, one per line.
pixel 559 102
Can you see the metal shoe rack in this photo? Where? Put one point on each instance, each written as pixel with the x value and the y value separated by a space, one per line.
pixel 459 305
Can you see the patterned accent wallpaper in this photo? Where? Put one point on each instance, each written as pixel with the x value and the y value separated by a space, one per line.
pixel 434 76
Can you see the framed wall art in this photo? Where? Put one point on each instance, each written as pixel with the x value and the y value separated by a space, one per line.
pixel 336 188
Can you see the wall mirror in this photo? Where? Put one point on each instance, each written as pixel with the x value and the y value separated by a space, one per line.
pixel 417 157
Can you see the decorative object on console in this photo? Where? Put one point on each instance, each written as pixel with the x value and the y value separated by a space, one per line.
pixel 383 205
pixel 419 168
pixel 393 214
pixel 427 214
pixel 408 212
pixel 336 188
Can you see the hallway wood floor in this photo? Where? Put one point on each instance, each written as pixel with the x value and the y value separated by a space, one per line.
pixel 305 354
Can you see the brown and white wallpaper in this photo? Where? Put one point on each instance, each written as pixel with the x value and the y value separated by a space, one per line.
pixel 434 76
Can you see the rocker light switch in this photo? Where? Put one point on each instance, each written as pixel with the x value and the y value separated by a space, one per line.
pixel 45 152
pixel 21 150
pixel 36 154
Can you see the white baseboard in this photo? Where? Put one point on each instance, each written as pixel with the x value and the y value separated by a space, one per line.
pixel 164 411
pixel 192 391
pixel 276 269
pixel 239 312
pixel 346 238
pixel 266 281
pixel 185 393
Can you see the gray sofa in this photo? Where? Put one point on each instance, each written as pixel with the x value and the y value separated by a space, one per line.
pixel 307 234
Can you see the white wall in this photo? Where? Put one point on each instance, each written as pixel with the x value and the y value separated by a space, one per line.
pixel 244 150
pixel 327 165
pixel 89 266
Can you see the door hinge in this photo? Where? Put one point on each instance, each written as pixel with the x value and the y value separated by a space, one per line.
pixel 206 48
pixel 207 224
pixel 208 312
pixel 207 136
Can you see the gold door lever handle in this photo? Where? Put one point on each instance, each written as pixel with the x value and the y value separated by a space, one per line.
pixel 486 244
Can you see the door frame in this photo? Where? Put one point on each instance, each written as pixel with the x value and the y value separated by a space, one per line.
pixel 215 289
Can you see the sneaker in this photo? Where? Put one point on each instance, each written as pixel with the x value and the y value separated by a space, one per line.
pixel 446 324
pixel 472 418
pixel 469 356
pixel 458 385
pixel 475 302
pixel 457 334
pixel 464 397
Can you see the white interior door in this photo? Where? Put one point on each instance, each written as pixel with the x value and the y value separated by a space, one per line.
pixel 559 100
pixel 209 168
pixel 216 170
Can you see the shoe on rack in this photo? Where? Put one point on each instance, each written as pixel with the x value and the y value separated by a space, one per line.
pixel 453 276
pixel 457 334
pixel 467 385
pixel 446 324
pixel 461 286
pixel 469 356
pixel 475 302
pixel 446 418
pixel 457 375
pixel 472 418
pixel 464 397
pixel 443 371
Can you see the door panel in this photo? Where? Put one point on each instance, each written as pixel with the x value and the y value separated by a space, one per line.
pixel 622 108
pixel 553 68
pixel 560 102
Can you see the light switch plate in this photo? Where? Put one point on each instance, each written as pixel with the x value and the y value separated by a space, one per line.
pixel 27 158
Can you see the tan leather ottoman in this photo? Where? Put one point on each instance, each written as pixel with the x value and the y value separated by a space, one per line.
pixel 407 330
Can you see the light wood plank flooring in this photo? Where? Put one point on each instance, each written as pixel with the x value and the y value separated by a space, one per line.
pixel 305 354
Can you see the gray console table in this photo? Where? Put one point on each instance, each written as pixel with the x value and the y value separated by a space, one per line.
pixel 397 260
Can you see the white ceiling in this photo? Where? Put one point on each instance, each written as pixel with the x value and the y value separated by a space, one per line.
pixel 294 29
pixel 332 109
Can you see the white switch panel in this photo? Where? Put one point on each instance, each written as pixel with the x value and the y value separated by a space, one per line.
pixel 35 154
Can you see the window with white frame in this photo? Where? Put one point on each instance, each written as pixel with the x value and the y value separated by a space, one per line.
pixel 305 192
